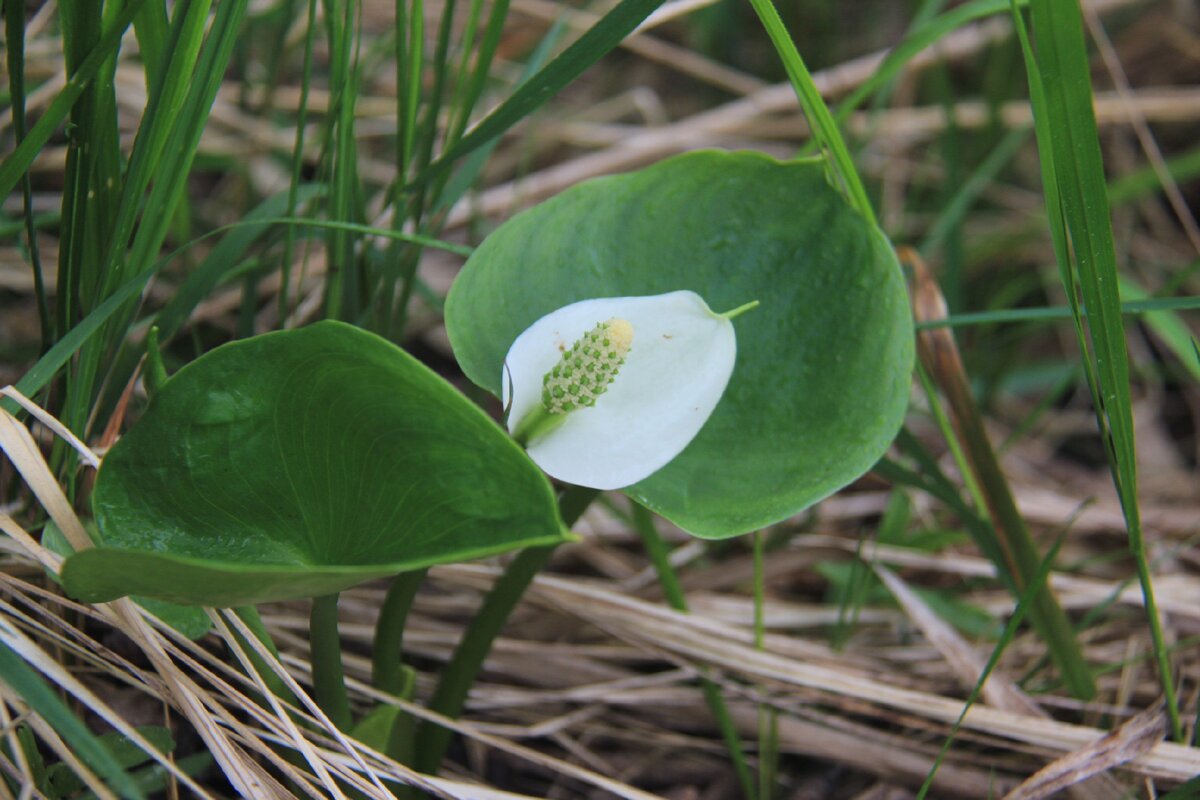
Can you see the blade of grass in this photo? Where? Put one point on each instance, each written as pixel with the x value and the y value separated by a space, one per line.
pixel 1167 326
pixel 171 158
pixel 1076 199
pixel 570 64
pixel 344 283
pixel 768 718
pixel 42 372
pixel 825 129
pixel 152 29
pixel 1024 602
pixel 34 691
pixel 93 170
pixel 1054 313
pixel 19 160
pixel 427 137
pixel 14 32
pixel 172 148
pixel 923 35
pixel 968 191
pixel 1018 552
pixel 285 269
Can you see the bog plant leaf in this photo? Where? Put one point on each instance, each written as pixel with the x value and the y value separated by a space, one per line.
pixel 298 464
pixel 190 621
pixel 824 363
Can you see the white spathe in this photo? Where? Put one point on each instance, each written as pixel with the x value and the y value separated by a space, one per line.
pixel 673 377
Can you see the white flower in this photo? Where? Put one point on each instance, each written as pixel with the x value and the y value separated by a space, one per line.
pixel 634 415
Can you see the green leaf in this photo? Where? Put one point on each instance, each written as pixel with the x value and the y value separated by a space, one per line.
pixel 63 782
pixel 41 698
pixel 824 364
pixel 190 621
pixel 298 464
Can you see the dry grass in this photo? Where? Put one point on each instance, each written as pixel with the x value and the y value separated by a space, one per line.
pixel 592 691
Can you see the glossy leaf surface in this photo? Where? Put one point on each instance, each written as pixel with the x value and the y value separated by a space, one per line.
pixel 301 463
pixel 824 364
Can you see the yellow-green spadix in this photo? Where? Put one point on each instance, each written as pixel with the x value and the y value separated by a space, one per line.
pixel 653 370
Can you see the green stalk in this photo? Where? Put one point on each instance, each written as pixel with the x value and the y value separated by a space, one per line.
pixel 387 666
pixel 1027 598
pixel 1076 202
pixel 450 696
pixel 768 729
pixel 14 32
pixel 1015 553
pixel 656 549
pixel 329 680
pixel 824 128
pixel 285 272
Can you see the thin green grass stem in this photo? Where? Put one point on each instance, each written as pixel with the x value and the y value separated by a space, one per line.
pixel 656 549
pixel 329 680
pixel 1074 184
pixel 386 662
pixel 1027 598
pixel 14 32
pixel 297 167
pixel 768 728
pixel 824 127
pixel 1019 550
pixel 450 697
pixel 1055 313
pixel 1009 545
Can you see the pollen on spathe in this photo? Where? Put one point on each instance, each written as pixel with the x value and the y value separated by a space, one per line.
pixel 586 369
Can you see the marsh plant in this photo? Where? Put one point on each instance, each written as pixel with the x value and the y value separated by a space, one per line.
pixel 722 339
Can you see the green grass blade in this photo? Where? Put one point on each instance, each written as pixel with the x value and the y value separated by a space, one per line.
pixel 152 30
pixel 1166 325
pixel 344 285
pixel 454 187
pixel 956 210
pixel 570 64
pixel 1010 631
pixel 918 40
pixel 473 86
pixel 14 32
pixel 1146 180
pixel 285 271
pixel 20 159
pixel 1054 313
pixel 41 373
pixel 824 128
pixel 173 165
pixel 1072 164
pixel 160 116
pixel 30 686
pixel 227 253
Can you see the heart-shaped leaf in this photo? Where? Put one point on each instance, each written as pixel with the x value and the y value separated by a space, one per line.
pixel 824 364
pixel 301 463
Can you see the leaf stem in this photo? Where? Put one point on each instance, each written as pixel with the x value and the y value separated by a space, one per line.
pixel 329 680
pixel 387 671
pixel 451 694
